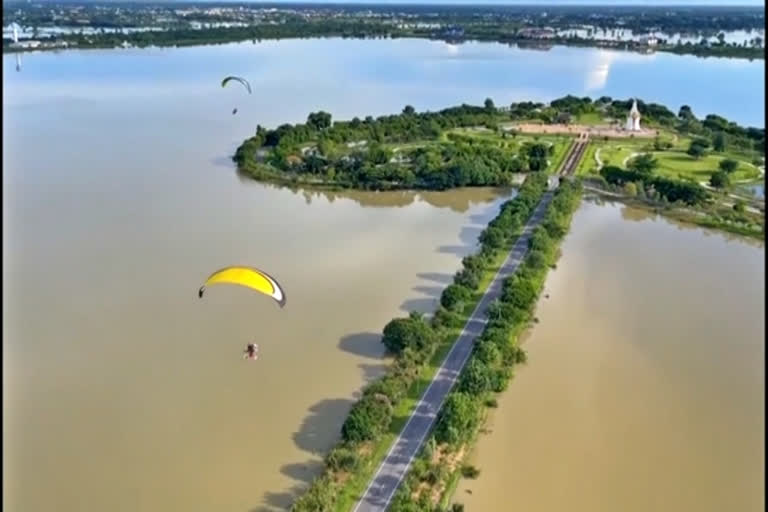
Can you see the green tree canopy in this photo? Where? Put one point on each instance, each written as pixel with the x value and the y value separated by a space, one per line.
pixel 458 418
pixel 410 332
pixel 644 164
pixel 319 120
pixel 728 165
pixel 720 179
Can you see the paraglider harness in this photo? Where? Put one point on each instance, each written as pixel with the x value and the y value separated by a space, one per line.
pixel 250 351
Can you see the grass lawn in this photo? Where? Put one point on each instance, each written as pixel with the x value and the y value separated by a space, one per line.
pixel 614 152
pixel 561 146
pixel 680 165
pixel 588 165
pixel 357 484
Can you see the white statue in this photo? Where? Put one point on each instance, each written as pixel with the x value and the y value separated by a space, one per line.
pixel 633 119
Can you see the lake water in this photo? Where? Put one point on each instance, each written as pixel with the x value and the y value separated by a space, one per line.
pixel 123 390
pixel 359 77
pixel 645 383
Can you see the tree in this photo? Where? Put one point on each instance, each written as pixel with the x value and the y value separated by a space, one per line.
pixel 537 156
pixel 718 142
pixel 454 296
pixel 409 110
pixel 476 378
pixel 367 419
pixel 630 189
pixel 378 154
pixel 739 206
pixel 685 113
pixel 413 332
pixel 458 418
pixel 720 179
pixel 728 165
pixel 493 237
pixel 697 150
pixel 644 164
pixel 319 120
pixel 519 293
pixel 489 106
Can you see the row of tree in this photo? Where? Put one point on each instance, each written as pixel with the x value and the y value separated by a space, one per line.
pixel 413 341
pixel 671 190
pixel 490 366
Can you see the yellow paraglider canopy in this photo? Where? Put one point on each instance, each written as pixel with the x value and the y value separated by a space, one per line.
pixel 249 277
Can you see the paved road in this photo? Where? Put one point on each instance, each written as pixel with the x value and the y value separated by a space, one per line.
pixel 395 466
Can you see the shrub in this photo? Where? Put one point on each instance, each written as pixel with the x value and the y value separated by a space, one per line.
pixel 467 278
pixel 342 459
pixel 720 179
pixel 447 319
pixel 476 378
pixel 459 416
pixel 367 419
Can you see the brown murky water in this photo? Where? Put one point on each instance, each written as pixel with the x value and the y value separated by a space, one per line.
pixel 125 392
pixel 122 390
pixel 645 385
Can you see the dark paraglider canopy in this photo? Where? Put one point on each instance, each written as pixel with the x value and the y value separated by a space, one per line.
pixel 237 79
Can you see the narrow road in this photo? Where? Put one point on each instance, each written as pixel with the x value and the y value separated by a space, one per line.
pixel 385 482
pixel 394 467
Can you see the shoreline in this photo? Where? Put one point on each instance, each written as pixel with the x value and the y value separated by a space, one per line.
pixel 520 43
pixel 691 218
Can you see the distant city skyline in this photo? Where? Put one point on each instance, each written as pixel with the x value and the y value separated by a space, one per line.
pixel 481 3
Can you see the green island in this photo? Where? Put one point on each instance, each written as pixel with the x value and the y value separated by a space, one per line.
pixel 676 164
pixel 695 170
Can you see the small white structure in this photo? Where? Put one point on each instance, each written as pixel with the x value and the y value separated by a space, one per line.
pixel 553 182
pixel 633 119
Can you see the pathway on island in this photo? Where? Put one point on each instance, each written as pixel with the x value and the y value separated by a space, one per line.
pixel 393 469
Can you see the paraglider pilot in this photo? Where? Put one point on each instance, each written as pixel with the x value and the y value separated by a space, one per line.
pixel 250 351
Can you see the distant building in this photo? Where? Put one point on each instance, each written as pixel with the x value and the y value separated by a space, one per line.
pixel 536 33
pixel 633 119
pixel 453 31
pixel 649 41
